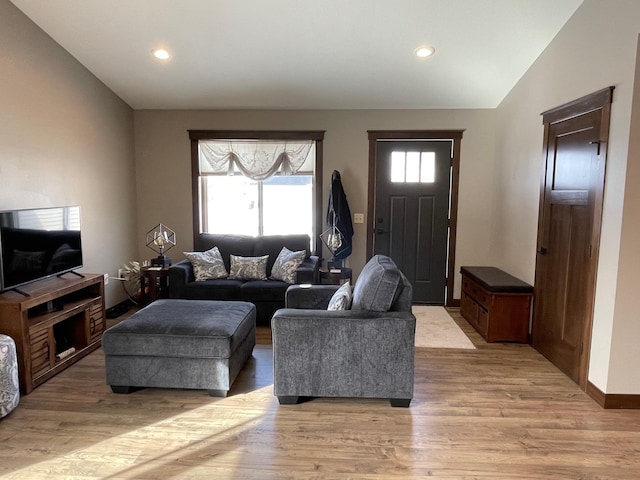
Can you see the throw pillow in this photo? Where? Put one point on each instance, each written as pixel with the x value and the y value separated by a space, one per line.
pixel 248 268
pixel 285 266
pixel 341 299
pixel 207 265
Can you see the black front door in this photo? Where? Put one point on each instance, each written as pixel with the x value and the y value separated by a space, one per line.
pixel 412 212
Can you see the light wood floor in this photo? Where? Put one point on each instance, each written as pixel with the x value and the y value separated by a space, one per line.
pixel 498 412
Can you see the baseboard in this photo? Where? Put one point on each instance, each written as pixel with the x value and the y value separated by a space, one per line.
pixel 119 309
pixel 613 400
pixel 455 303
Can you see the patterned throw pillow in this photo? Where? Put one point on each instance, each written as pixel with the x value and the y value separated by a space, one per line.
pixel 341 299
pixel 286 265
pixel 248 268
pixel 207 265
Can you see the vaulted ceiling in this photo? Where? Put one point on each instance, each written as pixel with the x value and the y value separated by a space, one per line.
pixel 304 54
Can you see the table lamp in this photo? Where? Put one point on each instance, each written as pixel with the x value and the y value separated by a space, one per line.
pixel 160 239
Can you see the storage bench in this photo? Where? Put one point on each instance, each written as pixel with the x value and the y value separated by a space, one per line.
pixel 496 304
pixel 200 344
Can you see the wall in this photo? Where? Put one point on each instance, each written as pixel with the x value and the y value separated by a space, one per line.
pixel 65 139
pixel 595 49
pixel 164 168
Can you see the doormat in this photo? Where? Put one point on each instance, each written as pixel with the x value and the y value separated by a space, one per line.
pixel 436 329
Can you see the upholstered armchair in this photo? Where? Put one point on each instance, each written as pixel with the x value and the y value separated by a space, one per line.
pixel 365 351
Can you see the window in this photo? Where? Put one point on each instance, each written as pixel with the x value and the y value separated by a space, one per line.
pixel 257 183
pixel 279 205
pixel 413 167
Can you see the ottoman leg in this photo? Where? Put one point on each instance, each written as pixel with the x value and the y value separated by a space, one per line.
pixel 400 402
pixel 122 389
pixel 217 393
pixel 288 400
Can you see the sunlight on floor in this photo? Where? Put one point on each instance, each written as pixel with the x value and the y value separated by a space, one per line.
pixel 170 448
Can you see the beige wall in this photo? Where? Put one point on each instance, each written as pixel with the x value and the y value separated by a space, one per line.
pixel 164 168
pixel 65 139
pixel 595 49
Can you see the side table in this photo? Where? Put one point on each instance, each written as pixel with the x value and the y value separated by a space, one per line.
pixel 153 282
pixel 336 278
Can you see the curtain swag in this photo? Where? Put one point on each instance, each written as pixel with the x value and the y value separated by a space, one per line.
pixel 258 160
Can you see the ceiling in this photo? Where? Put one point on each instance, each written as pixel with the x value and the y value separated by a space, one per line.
pixel 304 54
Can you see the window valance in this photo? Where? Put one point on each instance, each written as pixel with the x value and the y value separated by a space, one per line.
pixel 256 159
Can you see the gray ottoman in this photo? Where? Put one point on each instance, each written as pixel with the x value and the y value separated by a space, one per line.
pixel 173 343
pixel 9 386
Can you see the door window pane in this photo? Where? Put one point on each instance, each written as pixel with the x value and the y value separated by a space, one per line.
pixel 397 167
pixel 413 167
pixel 427 167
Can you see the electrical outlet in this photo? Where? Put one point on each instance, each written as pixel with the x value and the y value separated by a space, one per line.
pixel 358 218
pixel 106 279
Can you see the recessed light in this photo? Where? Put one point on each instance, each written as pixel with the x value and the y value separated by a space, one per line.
pixel 161 54
pixel 425 51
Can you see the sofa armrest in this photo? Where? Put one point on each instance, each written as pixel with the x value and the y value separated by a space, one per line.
pixel 179 275
pixel 309 270
pixel 315 297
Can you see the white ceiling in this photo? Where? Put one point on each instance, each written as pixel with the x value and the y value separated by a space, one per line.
pixel 304 54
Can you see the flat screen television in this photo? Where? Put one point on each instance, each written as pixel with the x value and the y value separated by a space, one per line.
pixel 38 243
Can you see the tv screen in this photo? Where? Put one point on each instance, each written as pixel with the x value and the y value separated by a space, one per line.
pixel 38 243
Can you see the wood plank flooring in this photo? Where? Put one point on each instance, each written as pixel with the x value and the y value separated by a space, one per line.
pixel 498 412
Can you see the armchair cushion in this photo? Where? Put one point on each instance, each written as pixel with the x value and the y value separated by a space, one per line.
pixel 378 285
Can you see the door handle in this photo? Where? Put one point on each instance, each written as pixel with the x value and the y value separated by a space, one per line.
pixel 380 231
pixel 542 251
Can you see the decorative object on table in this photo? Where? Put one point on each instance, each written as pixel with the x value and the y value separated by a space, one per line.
pixel 332 239
pixel 9 386
pixel 160 239
pixel 130 278
pixel 340 224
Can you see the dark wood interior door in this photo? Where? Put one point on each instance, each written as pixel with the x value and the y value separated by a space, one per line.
pixel 412 211
pixel 568 239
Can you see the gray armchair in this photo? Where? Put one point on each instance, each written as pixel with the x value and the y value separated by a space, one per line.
pixel 367 351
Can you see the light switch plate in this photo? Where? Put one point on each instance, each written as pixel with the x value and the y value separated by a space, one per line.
pixel 358 218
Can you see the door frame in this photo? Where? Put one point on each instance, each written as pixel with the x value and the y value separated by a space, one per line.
pixel 600 100
pixel 455 136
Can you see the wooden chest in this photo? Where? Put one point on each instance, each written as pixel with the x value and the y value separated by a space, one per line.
pixel 497 304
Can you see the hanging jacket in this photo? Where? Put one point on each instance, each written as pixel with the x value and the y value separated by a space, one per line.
pixel 339 215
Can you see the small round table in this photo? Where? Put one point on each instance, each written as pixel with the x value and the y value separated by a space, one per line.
pixel 335 278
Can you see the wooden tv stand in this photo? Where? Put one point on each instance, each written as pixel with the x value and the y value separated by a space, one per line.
pixel 61 321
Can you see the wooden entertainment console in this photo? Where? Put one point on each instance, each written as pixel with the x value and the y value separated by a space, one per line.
pixel 61 321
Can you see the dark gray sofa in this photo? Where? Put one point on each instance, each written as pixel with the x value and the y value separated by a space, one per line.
pixel 266 295
pixel 367 351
